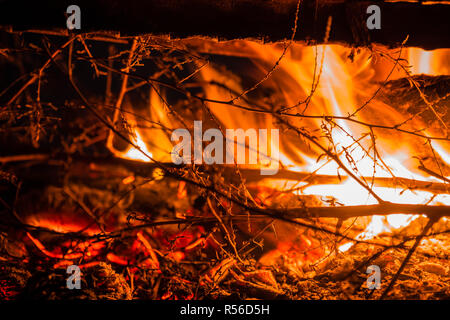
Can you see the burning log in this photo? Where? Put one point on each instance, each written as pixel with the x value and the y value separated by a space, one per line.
pixel 404 96
pixel 269 20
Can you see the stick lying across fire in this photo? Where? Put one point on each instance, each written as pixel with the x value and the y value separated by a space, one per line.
pixel 356 166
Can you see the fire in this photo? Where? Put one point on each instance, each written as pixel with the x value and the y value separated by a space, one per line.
pixel 134 153
pixel 434 62
pixel 380 224
pixel 342 87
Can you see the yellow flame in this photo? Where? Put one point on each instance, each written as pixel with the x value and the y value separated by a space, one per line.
pixel 134 154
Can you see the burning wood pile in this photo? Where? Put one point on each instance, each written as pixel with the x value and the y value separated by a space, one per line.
pixel 336 186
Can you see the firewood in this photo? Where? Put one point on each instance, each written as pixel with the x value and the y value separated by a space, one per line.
pixel 268 20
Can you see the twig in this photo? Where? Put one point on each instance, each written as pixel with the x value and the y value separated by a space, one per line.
pixel 385 208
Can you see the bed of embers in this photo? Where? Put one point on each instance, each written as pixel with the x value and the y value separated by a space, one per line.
pixel 86 178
